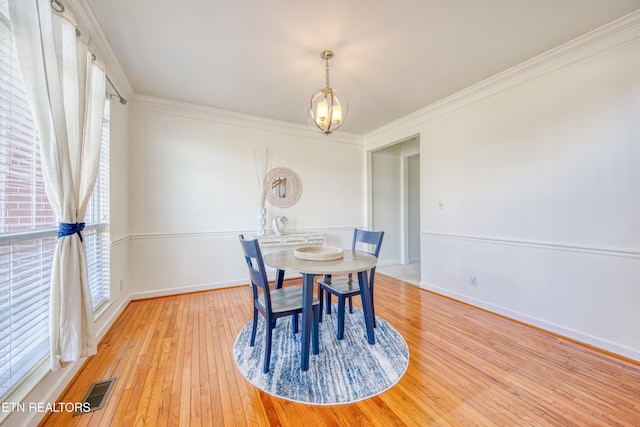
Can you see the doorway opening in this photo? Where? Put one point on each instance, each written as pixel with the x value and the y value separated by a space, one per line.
pixel 394 195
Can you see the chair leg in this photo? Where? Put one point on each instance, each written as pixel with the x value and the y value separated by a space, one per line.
pixel 254 327
pixel 341 308
pixel 315 331
pixel 295 323
pixel 328 310
pixel 373 307
pixel 351 305
pixel 267 349
pixel 321 299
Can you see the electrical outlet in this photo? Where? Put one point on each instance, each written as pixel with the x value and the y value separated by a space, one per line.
pixel 473 280
pixel 121 284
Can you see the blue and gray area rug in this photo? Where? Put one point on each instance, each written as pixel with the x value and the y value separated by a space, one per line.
pixel 345 371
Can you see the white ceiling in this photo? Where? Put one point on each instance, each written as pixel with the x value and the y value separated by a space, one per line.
pixel 391 58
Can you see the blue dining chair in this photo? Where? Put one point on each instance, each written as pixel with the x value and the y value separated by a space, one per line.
pixel 273 304
pixel 348 287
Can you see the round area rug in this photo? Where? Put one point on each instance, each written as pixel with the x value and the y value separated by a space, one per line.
pixel 345 371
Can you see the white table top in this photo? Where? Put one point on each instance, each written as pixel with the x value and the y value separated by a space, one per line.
pixel 353 262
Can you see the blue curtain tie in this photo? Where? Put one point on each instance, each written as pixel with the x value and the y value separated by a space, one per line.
pixel 67 229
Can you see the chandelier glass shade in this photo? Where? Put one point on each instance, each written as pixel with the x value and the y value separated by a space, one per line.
pixel 328 108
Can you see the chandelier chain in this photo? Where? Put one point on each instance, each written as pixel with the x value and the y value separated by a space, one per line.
pixel 326 70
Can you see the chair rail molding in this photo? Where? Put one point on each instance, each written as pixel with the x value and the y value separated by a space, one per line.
pixel 190 257
pixel 560 246
pixel 182 234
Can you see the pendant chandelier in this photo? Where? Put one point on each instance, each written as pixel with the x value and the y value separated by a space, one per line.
pixel 328 107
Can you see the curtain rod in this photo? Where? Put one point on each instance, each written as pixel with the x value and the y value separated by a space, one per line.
pixel 59 7
pixel 122 100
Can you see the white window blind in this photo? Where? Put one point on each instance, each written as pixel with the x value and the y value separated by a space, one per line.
pixel 28 228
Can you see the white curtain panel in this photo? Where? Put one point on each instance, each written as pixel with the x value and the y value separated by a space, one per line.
pixel 66 90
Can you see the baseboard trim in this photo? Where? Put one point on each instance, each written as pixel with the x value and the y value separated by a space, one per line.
pixel 388 262
pixel 113 317
pixel 186 289
pixel 568 333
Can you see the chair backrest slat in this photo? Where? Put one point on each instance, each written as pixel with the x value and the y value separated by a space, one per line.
pixel 369 238
pixel 257 271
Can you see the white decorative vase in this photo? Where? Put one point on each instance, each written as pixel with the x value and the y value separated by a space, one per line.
pixel 280 224
pixel 261 222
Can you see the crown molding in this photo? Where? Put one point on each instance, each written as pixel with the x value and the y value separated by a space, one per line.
pixel 88 22
pixel 616 34
pixel 231 118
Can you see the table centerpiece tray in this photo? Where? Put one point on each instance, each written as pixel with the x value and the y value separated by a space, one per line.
pixel 318 253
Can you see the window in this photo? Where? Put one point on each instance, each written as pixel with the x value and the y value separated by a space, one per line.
pixel 28 228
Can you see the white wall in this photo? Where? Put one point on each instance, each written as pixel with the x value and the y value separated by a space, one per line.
pixel 539 178
pixel 194 189
pixel 119 204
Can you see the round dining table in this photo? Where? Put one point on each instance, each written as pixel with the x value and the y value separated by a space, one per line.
pixel 353 261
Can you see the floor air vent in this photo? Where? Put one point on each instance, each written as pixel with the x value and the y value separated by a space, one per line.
pixel 96 397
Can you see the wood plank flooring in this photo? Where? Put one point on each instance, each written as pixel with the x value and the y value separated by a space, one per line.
pixel 173 363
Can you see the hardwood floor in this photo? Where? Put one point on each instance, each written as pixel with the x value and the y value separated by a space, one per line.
pixel 173 363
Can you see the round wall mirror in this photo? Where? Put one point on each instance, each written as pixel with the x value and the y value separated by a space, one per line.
pixel 282 186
